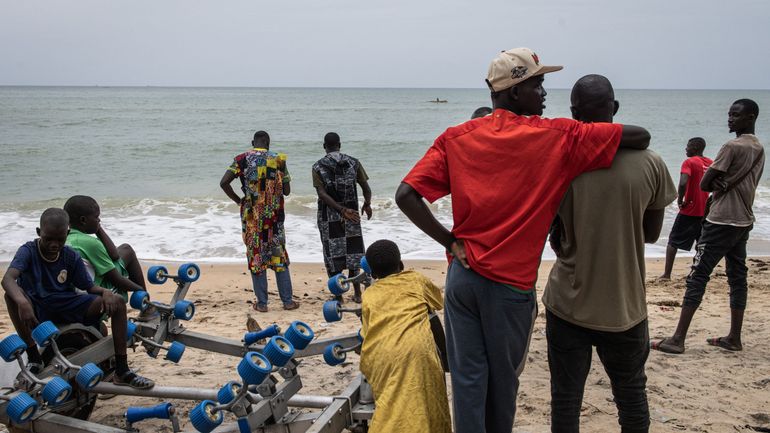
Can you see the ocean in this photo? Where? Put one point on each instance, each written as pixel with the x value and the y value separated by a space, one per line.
pixel 153 157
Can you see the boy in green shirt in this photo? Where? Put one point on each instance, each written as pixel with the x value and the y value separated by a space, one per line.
pixel 114 268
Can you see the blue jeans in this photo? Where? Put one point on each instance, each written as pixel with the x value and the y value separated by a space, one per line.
pixel 283 279
pixel 488 326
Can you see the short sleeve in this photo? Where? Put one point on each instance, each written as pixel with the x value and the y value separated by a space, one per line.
pixel 594 145
pixel 22 260
pixel 665 191
pixel 361 175
pixel 723 159
pixel 432 294
pixel 686 167
pixel 317 182
pixel 430 176
pixel 95 252
pixel 80 277
pixel 235 167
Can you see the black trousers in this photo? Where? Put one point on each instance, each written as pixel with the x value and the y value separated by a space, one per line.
pixel 623 355
pixel 719 241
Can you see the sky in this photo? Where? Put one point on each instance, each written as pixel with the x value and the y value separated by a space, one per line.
pixel 657 44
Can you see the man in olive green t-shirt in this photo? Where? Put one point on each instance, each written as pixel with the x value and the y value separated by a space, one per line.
pixel 595 295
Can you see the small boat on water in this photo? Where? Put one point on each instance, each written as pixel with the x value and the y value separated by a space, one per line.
pixel 439 101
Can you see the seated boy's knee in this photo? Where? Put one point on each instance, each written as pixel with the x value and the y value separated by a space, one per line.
pixel 126 251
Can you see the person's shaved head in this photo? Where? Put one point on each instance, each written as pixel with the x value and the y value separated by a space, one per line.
pixel 593 99
pixel 54 218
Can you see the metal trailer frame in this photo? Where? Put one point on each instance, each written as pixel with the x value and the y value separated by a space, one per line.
pixel 267 409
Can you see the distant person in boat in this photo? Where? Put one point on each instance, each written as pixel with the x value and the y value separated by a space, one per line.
pixel 691 202
pixel 335 177
pixel 732 179
pixel 264 181
pixel 481 112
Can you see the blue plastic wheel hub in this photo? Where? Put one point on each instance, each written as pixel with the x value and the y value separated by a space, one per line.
pixel 254 368
pixel 189 273
pixel 299 334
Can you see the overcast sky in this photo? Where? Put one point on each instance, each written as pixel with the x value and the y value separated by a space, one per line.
pixel 711 44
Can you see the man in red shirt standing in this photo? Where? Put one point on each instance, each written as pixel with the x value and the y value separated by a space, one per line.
pixel 691 201
pixel 507 173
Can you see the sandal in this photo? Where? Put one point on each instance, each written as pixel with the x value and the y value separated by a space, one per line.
pixel 723 343
pixel 259 307
pixel 666 347
pixel 133 380
pixel 291 306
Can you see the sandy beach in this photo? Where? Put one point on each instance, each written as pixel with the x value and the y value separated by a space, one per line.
pixel 705 390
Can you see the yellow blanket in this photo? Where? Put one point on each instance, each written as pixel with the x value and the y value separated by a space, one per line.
pixel 399 356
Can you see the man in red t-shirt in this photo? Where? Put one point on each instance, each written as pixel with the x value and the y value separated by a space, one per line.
pixel 691 201
pixel 507 173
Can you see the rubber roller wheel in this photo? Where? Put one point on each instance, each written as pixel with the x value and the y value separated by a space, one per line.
pixel 189 273
pixel 332 311
pixel 278 350
pixel 157 274
pixel 203 417
pixel 365 266
pixel 44 333
pixel 299 334
pixel 175 351
pixel 21 408
pixel 130 330
pixel 333 355
pixel 184 310
pixel 89 375
pixel 227 393
pixel 140 300
pixel 254 368
pixel 56 391
pixel 11 347
pixel 337 284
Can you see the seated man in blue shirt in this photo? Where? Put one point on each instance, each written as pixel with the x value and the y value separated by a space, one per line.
pixel 40 285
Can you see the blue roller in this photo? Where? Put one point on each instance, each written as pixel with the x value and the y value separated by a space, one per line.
pixel 184 310
pixel 161 411
pixel 44 333
pixel 337 285
pixel 130 330
pixel 227 393
pixel 203 417
pixel 189 273
pixel 360 337
pixel 250 338
pixel 140 300
pixel 21 408
pixel 299 334
pixel 332 354
pixel 243 425
pixel 254 368
pixel 175 351
pixel 11 347
pixel 365 266
pixel 278 350
pixel 157 274
pixel 332 311
pixel 56 391
pixel 89 375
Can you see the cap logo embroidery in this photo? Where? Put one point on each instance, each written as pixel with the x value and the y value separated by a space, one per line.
pixel 518 72
pixel 62 276
pixel 536 59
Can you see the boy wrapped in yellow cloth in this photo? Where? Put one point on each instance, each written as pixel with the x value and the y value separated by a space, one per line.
pixel 399 356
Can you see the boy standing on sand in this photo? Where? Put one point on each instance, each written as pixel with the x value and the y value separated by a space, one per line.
pixel 507 173
pixel 691 201
pixel 40 285
pixel 399 356
pixel 732 178
pixel 595 295
pixel 114 268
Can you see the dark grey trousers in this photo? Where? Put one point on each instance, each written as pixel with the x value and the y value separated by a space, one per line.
pixel 488 327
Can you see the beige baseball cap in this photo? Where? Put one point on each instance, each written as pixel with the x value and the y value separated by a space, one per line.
pixel 513 66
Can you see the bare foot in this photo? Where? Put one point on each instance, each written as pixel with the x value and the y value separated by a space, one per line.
pixel 668 345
